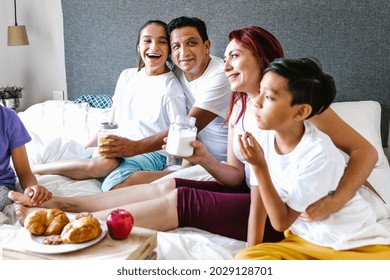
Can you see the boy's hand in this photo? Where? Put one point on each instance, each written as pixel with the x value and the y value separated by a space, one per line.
pixel 250 149
pixel 38 194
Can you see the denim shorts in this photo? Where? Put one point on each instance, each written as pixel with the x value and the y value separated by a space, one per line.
pixel 4 200
pixel 146 162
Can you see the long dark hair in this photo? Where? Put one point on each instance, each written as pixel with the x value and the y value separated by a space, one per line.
pixel 140 62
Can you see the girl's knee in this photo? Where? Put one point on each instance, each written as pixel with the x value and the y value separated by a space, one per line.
pixel 102 167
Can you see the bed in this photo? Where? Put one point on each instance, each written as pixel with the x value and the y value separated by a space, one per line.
pixel 59 128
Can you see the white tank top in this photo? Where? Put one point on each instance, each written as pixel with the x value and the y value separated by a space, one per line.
pixel 247 122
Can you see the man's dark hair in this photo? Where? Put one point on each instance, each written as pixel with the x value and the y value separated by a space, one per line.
pixel 189 21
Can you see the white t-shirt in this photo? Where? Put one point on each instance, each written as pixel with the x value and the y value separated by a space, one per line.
pixel 145 105
pixel 211 92
pixel 310 172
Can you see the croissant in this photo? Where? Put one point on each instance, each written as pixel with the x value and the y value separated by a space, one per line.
pixel 46 222
pixel 81 230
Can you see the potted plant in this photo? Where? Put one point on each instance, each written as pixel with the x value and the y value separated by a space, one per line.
pixel 10 95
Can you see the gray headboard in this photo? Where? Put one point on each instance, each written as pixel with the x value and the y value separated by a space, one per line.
pixel 350 38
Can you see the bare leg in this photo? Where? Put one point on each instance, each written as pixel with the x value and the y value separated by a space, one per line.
pixel 79 168
pixel 142 177
pixel 158 214
pixel 101 201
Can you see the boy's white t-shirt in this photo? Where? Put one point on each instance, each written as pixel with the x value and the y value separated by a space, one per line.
pixel 145 105
pixel 211 92
pixel 310 172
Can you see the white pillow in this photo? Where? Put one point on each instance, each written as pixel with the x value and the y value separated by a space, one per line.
pixel 54 119
pixel 365 118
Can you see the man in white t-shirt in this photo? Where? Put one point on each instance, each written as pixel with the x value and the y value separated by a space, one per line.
pixel 204 82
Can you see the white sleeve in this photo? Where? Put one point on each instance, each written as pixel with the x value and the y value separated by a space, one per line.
pixel 122 82
pixel 175 102
pixel 215 95
pixel 213 90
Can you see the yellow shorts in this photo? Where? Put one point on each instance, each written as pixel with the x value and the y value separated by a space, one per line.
pixel 294 247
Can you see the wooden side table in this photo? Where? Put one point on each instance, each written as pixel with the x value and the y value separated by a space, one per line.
pixel 140 245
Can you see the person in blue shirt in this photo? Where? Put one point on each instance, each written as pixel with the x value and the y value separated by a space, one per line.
pixel 13 137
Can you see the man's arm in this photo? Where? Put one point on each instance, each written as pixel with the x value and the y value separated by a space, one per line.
pixel 203 117
pixel 123 147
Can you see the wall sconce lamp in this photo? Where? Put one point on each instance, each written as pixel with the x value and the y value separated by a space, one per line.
pixel 17 35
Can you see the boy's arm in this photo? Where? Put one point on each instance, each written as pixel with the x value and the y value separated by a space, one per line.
pixel 22 167
pixel 280 214
pixel 27 180
pixel 257 218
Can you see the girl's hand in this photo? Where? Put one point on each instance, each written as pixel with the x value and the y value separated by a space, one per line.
pixel 250 149
pixel 38 194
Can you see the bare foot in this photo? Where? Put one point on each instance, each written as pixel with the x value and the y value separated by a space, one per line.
pixel 22 212
pixel 20 198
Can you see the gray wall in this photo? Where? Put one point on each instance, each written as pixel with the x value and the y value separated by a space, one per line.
pixel 350 38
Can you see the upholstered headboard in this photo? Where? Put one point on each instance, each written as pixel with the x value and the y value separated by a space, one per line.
pixel 350 38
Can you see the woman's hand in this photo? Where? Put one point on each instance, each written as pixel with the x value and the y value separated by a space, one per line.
pixel 38 194
pixel 200 155
pixel 321 209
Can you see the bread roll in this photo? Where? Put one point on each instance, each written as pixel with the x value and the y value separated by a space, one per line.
pixel 46 222
pixel 81 230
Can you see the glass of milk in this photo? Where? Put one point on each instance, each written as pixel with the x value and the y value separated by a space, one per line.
pixel 180 136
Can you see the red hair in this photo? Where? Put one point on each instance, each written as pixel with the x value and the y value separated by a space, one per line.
pixel 265 47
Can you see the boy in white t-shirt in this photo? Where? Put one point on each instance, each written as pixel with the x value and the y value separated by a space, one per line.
pixel 295 164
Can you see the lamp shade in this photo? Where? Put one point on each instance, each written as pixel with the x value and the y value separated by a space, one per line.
pixel 17 35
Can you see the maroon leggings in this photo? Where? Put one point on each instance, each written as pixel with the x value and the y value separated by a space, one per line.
pixel 212 207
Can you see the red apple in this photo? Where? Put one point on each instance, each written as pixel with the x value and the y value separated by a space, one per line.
pixel 119 223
